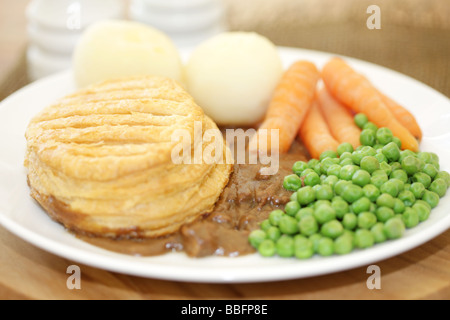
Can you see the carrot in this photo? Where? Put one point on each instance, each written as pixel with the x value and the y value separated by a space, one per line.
pixel 355 91
pixel 403 116
pixel 315 134
pixel 339 119
pixel 290 102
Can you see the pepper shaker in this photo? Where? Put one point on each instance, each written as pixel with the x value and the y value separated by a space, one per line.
pixel 54 27
pixel 187 22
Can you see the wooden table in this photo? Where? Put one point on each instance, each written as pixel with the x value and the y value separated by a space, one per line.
pixel 27 272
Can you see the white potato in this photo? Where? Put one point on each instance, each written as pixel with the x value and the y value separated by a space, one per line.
pixel 232 76
pixel 116 49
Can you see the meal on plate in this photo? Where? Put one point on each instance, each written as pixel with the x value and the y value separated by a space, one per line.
pixel 103 161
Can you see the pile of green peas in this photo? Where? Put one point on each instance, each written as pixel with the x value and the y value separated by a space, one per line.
pixel 353 199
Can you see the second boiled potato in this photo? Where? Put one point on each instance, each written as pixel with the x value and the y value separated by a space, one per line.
pixel 232 77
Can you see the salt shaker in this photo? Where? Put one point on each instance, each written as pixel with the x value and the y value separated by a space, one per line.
pixel 187 22
pixel 54 27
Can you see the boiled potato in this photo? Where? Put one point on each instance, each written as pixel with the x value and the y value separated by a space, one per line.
pixel 232 76
pixel 116 49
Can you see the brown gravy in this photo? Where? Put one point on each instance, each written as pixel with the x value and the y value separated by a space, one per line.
pixel 246 201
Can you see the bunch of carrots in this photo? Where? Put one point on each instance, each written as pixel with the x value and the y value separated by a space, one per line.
pixel 322 117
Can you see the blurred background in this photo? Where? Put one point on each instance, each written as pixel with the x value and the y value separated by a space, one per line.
pixel 414 38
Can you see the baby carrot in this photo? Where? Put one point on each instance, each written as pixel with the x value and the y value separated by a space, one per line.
pixel 403 116
pixel 291 101
pixel 339 119
pixel 355 91
pixel 315 134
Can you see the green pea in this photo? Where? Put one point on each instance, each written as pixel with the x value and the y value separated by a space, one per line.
pixel 432 198
pixel 378 180
pixel 430 170
pixel 334 170
pixel 256 237
pixel 398 142
pixel 422 210
pixel 340 186
pixel 285 246
pixel 378 147
pixel 299 167
pixel 383 214
pixel 306 195
pixel 331 181
pixel 275 216
pixel 381 158
pixel 345 162
pixel 306 172
pixel 390 187
pixel 265 225
pixel 340 207
pixel 350 221
pixel 386 168
pixel 328 154
pixel 304 212
pixel 352 193
pixel 368 137
pixel 324 192
pixel 394 228
pixel 407 197
pixel 293 197
pixel 422 202
pixel 311 179
pixel 445 176
pixel 371 126
pixel 332 229
pixel 361 205
pixel 411 165
pixel 318 203
pixel 267 248
pixel 384 136
pixel 364 239
pixel 366 220
pixel 273 233
pixel 343 244
pixel 344 147
pixel 347 172
pixel 378 232
pixel 371 192
pixel 439 186
pixel 312 163
pixel 423 178
pixel 308 226
pixel 315 238
pixel 400 175
pixel 325 247
pixel 324 213
pixel 288 225
pixel 385 200
pixel 395 166
pixel 425 156
pixel 418 189
pixel 399 206
pixel 292 208
pixel 361 120
pixel 361 178
pixel 326 163
pixel 406 153
pixel 410 218
pixel 391 151
pixel 303 247
pixel 292 182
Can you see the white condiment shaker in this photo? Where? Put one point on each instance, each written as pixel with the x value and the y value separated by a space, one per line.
pixel 54 27
pixel 187 22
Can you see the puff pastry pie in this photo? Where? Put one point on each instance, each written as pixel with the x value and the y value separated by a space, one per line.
pixel 99 161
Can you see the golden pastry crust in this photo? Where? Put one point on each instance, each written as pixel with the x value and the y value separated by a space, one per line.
pixel 100 161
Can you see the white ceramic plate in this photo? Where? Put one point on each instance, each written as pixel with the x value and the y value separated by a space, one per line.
pixel 23 217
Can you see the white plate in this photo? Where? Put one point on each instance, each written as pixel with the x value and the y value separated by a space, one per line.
pixel 23 217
